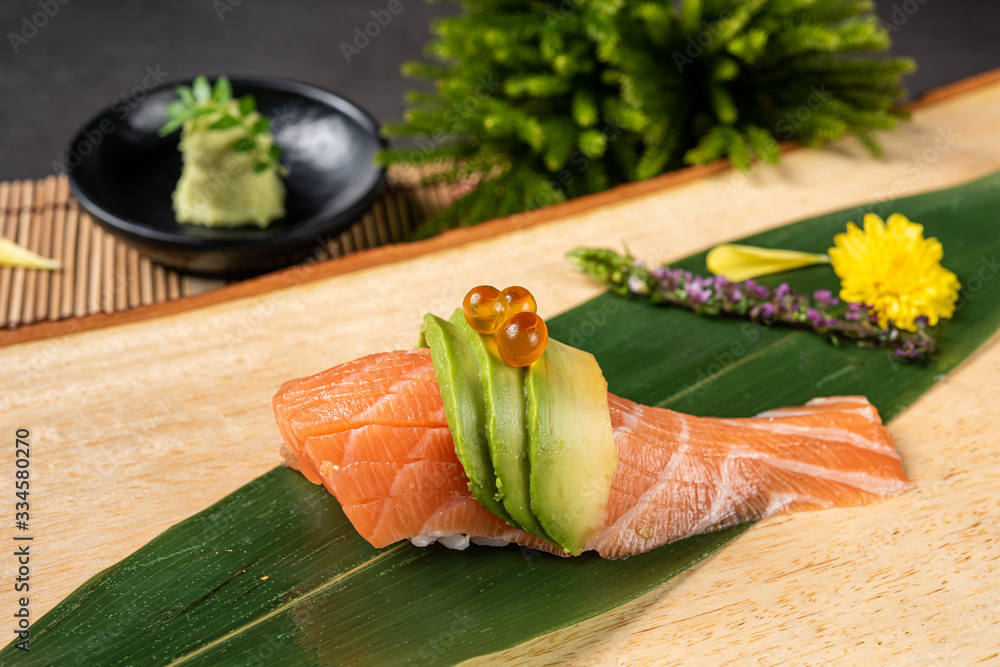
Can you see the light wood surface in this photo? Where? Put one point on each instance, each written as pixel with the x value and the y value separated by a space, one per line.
pixel 138 426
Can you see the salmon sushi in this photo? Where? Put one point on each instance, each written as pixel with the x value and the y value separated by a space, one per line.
pixel 374 432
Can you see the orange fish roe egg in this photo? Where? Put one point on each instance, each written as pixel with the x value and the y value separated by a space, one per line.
pixel 522 339
pixel 520 300
pixel 485 309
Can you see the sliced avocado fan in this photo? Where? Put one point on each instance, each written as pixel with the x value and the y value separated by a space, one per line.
pixel 462 392
pixel 541 460
pixel 571 446
pixel 506 428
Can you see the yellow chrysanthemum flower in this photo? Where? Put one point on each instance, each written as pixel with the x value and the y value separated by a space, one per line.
pixel 893 269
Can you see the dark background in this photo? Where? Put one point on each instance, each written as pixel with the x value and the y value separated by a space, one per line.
pixel 91 52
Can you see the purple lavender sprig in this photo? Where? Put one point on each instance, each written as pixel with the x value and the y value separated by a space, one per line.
pixel 822 311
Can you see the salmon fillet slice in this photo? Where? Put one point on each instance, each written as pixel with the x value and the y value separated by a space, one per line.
pixel 680 475
pixel 393 389
pixel 374 432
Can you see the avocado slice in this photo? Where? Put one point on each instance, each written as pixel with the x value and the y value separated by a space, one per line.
pixel 458 377
pixel 571 446
pixel 506 428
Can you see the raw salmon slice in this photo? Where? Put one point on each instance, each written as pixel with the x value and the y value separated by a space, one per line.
pixel 394 389
pixel 374 432
pixel 680 475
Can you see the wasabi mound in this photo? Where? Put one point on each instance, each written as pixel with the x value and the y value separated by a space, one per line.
pixel 231 176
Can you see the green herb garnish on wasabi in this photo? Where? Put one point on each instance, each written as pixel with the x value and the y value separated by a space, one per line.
pixel 231 175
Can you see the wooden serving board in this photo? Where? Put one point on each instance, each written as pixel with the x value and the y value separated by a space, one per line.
pixel 137 426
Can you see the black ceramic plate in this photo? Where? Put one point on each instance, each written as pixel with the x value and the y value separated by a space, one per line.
pixel 124 174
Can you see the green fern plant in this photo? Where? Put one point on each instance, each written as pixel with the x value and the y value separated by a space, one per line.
pixel 551 99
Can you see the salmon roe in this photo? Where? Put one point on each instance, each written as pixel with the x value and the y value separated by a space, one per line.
pixel 522 339
pixel 520 300
pixel 485 309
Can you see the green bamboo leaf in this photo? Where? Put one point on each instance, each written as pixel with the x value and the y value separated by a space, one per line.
pixel 274 574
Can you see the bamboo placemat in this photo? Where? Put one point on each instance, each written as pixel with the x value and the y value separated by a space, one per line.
pixel 102 274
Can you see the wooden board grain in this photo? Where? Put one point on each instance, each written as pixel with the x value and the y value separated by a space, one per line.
pixel 138 426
